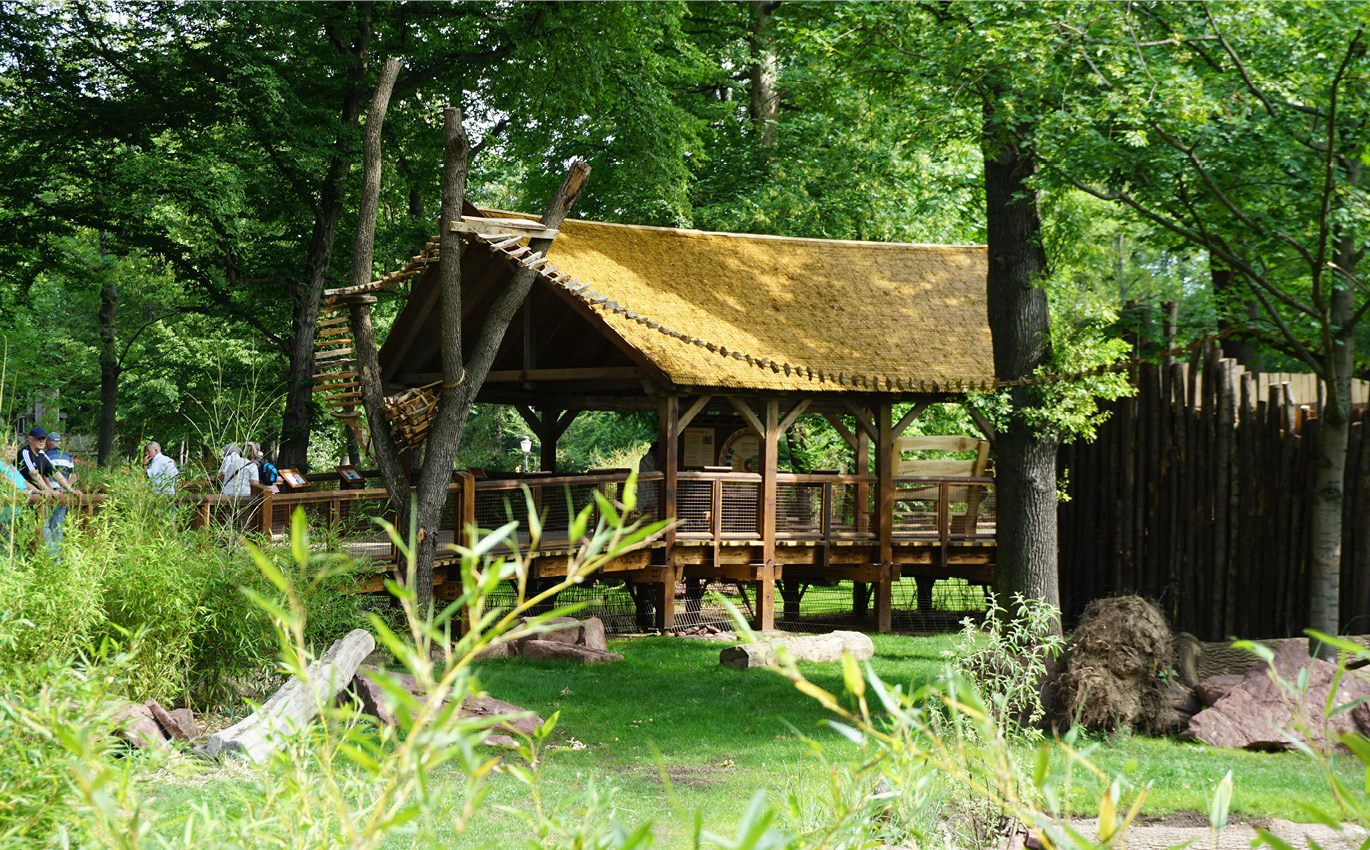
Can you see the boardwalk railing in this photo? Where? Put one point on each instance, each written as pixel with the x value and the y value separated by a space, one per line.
pixel 711 507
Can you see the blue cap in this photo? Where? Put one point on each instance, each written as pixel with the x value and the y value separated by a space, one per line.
pixel 38 433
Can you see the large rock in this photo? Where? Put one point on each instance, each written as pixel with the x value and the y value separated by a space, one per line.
pixel 1215 688
pixel 561 630
pixel 513 718
pixel 185 718
pixel 171 724
pixel 136 725
pixel 293 706
pixel 1257 714
pixel 819 648
pixel 549 650
pixel 593 636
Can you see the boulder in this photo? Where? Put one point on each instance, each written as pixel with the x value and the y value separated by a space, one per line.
pixel 593 636
pixel 499 650
pixel 561 630
pixel 1215 688
pixel 136 725
pixel 1258 715
pixel 819 648
pixel 548 650
pixel 517 720
pixel 371 698
pixel 185 718
pixel 171 725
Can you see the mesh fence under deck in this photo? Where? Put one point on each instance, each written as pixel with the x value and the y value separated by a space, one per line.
pixel 820 607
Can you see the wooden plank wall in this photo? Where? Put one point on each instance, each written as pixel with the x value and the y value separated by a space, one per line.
pixel 1194 495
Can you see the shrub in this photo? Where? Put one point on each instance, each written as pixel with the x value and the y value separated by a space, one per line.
pixel 1008 658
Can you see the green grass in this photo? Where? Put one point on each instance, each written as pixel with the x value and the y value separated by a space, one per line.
pixel 676 734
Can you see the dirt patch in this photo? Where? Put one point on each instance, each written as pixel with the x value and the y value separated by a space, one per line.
pixel 678 775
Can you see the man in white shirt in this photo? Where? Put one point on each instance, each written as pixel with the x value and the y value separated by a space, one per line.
pixel 160 470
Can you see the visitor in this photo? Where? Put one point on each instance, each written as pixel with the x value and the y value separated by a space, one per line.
pixel 64 476
pixel 159 469
pixel 237 472
pixel 33 463
pixel 14 489
pixel 267 473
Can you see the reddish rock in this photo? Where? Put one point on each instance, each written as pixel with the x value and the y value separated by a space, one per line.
pixel 371 697
pixel 546 650
pixel 185 718
pixel 1214 688
pixel 592 635
pixel 136 725
pixel 1257 714
pixel 171 726
pixel 518 720
pixel 563 630
pixel 499 650
pixel 499 741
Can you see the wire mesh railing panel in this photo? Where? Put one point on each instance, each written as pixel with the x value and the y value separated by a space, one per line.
pixel 741 502
pixel 799 509
pixel 915 510
pixel 826 604
pixel 694 506
pixel 848 513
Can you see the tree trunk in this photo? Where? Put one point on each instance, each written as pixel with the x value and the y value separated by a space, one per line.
pixel 1233 312
pixel 1016 304
pixel 764 108
pixel 109 366
pixel 298 414
pixel 1329 459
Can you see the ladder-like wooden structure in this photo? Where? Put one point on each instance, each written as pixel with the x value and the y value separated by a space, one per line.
pixel 337 376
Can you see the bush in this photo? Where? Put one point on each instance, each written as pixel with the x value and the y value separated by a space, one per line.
pixel 1010 658
pixel 136 566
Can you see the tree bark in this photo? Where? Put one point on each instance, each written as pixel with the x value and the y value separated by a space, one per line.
pixel 1233 312
pixel 764 107
pixel 1025 459
pixel 1329 457
pixel 298 414
pixel 109 365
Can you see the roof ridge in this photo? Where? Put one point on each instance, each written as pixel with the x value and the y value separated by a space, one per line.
pixel 761 236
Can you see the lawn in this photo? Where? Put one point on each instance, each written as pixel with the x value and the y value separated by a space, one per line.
pixel 676 734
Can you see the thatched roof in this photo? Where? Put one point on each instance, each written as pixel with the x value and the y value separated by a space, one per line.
pixel 914 313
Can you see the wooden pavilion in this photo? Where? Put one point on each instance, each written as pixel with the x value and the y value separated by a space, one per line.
pixel 729 339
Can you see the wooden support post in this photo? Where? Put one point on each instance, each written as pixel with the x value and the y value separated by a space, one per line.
pixel 664 602
pixel 861 448
pixel 770 452
pixel 884 517
pixel 669 415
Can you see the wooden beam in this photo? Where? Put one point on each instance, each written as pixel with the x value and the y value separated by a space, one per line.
pixel 862 420
pixel 884 516
pixel 748 414
pixel 841 428
pixel 794 414
pixel 986 427
pixel 770 452
pixel 907 419
pixel 563 422
pixel 669 417
pixel 503 227
pixel 688 416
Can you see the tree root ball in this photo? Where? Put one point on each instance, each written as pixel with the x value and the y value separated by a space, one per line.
pixel 1118 669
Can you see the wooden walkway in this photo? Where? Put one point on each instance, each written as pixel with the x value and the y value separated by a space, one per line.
pixel 825 529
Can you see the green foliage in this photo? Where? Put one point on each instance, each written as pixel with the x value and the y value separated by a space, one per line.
pixel 1006 656
pixel 135 568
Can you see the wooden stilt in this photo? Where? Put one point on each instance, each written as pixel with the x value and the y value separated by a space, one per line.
pixel 884 518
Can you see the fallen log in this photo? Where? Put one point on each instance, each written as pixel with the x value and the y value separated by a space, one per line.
pixel 821 648
pixel 288 710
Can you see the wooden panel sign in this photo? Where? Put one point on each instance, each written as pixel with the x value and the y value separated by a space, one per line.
pixel 698 450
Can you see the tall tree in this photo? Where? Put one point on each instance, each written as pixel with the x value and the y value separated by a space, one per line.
pixel 1244 130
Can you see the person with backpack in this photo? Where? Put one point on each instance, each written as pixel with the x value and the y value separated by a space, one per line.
pixel 267 473
pixel 237 472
